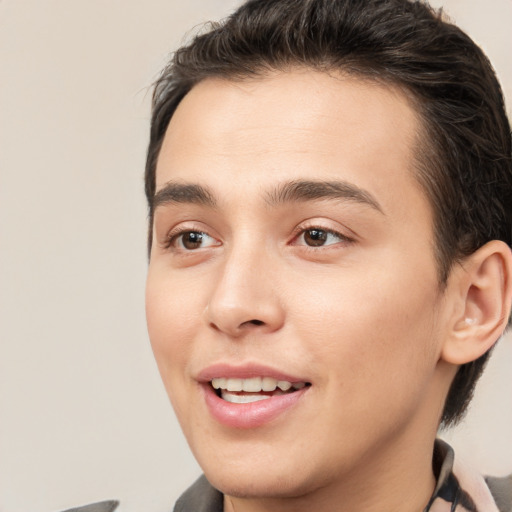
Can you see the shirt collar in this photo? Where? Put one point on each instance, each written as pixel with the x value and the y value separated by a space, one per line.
pixel 458 488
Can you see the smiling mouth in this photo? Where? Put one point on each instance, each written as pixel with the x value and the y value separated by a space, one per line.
pixel 254 389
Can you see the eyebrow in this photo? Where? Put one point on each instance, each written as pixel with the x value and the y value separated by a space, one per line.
pixel 292 191
pixel 297 191
pixel 173 192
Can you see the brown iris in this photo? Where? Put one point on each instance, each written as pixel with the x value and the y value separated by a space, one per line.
pixel 315 237
pixel 192 239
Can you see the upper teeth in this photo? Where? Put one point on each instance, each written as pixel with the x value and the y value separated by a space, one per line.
pixel 255 384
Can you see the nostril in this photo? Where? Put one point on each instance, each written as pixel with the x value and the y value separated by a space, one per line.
pixel 256 322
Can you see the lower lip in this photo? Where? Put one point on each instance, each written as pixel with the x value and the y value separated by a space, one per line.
pixel 253 414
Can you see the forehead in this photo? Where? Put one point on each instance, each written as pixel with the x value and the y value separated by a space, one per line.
pixel 300 124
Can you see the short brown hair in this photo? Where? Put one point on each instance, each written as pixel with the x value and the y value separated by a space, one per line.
pixel 464 162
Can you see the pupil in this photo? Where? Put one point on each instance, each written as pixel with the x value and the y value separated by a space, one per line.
pixel 192 240
pixel 315 237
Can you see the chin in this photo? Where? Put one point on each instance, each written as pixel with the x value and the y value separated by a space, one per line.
pixel 256 484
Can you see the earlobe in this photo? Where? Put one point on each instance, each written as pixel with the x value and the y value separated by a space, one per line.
pixel 483 289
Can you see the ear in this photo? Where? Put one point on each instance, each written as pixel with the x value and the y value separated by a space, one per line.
pixel 481 291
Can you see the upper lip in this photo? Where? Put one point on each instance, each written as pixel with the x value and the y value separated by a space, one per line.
pixel 245 371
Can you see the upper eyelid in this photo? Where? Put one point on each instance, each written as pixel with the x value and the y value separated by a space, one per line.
pixel 172 234
pixel 313 223
pixel 343 232
pixel 185 229
pixel 320 228
pixel 187 225
pixel 341 238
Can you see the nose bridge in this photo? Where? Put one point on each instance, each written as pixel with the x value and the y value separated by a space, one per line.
pixel 244 296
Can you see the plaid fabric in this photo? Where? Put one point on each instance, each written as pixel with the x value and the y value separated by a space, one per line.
pixel 459 489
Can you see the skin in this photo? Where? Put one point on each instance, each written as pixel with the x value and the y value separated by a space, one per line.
pixel 362 317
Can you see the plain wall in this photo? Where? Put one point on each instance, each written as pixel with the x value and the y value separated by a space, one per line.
pixel 83 415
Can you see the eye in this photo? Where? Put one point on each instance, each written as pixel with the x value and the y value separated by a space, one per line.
pixel 316 237
pixel 191 240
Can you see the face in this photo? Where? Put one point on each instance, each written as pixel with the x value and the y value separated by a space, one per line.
pixel 292 297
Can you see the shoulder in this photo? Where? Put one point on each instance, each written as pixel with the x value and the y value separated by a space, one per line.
pixel 101 506
pixel 200 497
pixel 501 490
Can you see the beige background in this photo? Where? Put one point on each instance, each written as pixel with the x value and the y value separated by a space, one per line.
pixel 83 415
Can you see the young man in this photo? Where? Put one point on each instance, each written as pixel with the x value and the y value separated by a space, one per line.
pixel 330 194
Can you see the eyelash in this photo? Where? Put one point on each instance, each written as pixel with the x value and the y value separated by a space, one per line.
pixel 174 236
pixel 302 230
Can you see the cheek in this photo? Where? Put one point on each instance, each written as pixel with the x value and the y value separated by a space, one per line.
pixel 171 314
pixel 370 324
pixel 172 320
pixel 371 346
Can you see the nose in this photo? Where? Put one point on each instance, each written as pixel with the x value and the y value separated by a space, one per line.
pixel 245 297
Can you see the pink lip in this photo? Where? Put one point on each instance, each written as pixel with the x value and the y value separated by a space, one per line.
pixel 251 415
pixel 245 371
pixel 254 414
